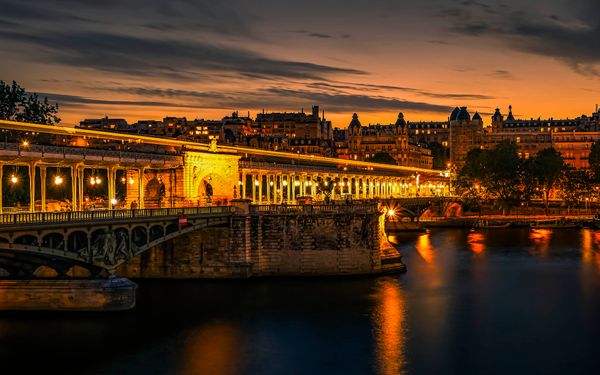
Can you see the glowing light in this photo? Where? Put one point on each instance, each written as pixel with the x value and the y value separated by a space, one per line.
pixel 391 212
pixel 270 183
pixel 256 183
pixel 25 143
pixel 284 182
pixel 123 180
pixel 14 179
pixel 58 180
pixel 239 182
pixel 98 180
pixel 131 181
pixel 113 201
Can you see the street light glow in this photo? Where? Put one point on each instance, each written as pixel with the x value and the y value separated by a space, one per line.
pixel 14 179
pixel 58 180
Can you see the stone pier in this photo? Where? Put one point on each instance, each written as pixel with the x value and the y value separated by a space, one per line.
pixel 276 240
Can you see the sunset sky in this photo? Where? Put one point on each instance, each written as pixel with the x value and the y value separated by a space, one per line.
pixel 145 59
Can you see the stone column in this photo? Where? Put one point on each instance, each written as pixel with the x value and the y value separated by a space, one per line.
pixel 141 187
pixel 268 188
pixel 243 186
pixel 253 183
pixel 31 171
pixel 288 183
pixel 79 172
pixel 43 187
pixel 73 188
pixel 260 185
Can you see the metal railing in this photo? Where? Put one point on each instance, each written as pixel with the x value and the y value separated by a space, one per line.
pixel 109 215
pixel 313 208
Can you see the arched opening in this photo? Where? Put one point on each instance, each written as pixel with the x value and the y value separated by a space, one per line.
pixel 139 237
pixel 54 241
pixel 45 272
pixel 154 193
pixel 210 190
pixel 77 242
pixel 27 239
pixel 172 228
pixel 156 232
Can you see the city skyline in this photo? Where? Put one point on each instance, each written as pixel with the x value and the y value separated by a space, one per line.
pixel 202 59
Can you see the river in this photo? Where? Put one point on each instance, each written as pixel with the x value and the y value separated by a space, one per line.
pixel 504 301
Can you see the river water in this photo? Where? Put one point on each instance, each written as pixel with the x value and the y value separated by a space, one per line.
pixel 507 301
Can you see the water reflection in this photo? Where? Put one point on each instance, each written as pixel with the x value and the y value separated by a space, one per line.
pixel 424 248
pixel 211 349
pixel 389 320
pixel 590 248
pixel 541 240
pixel 476 242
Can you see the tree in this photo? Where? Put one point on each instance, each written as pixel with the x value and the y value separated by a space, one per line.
pixel 546 170
pixel 382 158
pixel 18 105
pixel 594 158
pixel 498 172
pixel 575 186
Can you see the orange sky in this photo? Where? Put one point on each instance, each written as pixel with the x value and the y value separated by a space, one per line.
pixel 203 59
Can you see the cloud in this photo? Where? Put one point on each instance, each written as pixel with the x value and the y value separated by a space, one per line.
pixel 166 58
pixel 320 35
pixel 374 87
pixel 572 39
pixel 501 74
pixel 350 102
pixel 74 100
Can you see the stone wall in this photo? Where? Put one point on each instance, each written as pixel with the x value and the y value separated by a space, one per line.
pixel 273 244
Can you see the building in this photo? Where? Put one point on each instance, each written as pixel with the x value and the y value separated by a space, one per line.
pixel 294 125
pixel 104 124
pixel 428 132
pixel 465 134
pixel 367 142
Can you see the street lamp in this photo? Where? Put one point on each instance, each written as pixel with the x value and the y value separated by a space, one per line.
pixel 14 179
pixel 58 180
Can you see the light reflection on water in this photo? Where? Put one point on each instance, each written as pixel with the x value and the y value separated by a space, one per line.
pixel 489 302
pixel 388 321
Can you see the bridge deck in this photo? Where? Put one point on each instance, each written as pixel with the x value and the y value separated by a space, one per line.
pixel 82 217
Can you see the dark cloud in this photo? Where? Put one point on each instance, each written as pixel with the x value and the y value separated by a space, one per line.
pixel 501 74
pixel 372 87
pixel 350 102
pixel 573 39
pixel 167 58
pixel 279 98
pixel 319 35
pixel 74 100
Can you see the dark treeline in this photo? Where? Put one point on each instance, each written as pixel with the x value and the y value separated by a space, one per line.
pixel 498 175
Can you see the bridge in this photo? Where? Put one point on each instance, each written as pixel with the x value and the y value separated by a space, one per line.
pixel 63 168
pixel 78 204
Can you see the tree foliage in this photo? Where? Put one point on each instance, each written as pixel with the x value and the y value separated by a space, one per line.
pixel 546 170
pixel 594 158
pixel 498 171
pixel 18 105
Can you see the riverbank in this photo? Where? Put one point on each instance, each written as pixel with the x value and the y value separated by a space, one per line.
pixel 497 220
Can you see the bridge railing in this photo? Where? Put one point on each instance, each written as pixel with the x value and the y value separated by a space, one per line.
pixel 309 208
pixel 106 215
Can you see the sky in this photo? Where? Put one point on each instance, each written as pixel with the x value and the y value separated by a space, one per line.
pixel 146 59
